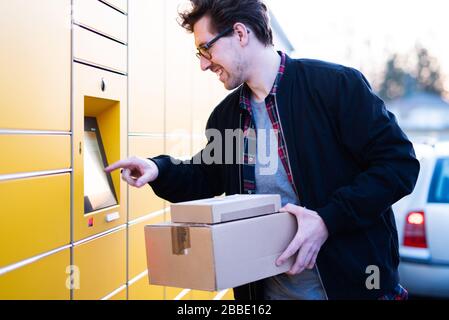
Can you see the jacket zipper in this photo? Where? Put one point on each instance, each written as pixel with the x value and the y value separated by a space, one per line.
pixel 240 189
pixel 294 184
pixel 321 281
pixel 286 149
pixel 240 165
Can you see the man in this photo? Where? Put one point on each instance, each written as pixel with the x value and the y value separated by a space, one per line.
pixel 343 160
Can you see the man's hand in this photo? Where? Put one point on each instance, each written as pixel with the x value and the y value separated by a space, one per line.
pixel 136 171
pixel 312 234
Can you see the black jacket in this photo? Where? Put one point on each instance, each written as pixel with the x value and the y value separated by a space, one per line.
pixel 350 162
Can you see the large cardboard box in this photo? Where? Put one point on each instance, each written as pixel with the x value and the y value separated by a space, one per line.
pixel 217 210
pixel 218 256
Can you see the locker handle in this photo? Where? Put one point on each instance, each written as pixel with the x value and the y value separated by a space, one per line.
pixel 112 217
pixel 103 85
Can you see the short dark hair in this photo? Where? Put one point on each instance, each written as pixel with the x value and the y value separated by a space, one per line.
pixel 225 13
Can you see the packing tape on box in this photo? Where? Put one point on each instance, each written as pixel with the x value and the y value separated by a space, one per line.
pixel 180 239
pixel 245 213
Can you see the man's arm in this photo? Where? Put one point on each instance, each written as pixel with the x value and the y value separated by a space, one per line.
pixel 372 136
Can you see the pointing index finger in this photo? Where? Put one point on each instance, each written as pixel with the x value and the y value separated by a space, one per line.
pixel 117 165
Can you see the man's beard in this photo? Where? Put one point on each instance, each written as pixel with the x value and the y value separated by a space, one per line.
pixel 238 79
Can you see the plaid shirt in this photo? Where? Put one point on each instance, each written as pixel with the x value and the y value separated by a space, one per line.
pixel 250 138
pixel 399 293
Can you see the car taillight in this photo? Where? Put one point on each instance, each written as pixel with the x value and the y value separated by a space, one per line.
pixel 415 231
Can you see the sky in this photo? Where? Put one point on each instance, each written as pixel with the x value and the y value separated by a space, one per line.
pixel 363 34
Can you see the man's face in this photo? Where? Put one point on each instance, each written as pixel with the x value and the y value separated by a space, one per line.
pixel 227 59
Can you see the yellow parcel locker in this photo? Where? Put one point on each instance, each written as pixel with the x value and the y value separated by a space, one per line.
pixel 137 260
pixel 102 265
pixel 180 148
pixel 35 64
pixel 121 5
pixel 89 47
pixel 100 17
pixel 27 153
pixel 45 279
pixel 142 290
pixel 172 293
pixel 143 201
pixel 229 295
pixel 35 216
pixel 146 84
pixel 202 295
pixel 120 294
pixel 203 104
pixel 101 95
pixel 179 86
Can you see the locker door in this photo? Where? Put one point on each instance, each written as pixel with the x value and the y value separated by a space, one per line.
pixel 35 216
pixel 146 66
pixel 35 65
pixel 143 201
pixel 44 279
pixel 102 265
pixel 137 259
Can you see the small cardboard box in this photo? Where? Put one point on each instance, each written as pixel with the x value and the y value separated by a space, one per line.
pixel 219 256
pixel 217 210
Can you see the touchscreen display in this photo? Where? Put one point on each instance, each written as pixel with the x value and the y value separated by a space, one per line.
pixel 98 188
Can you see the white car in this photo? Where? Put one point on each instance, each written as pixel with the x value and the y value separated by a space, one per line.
pixel 422 219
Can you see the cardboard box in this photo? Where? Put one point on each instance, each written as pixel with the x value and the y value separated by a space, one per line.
pixel 217 210
pixel 219 256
